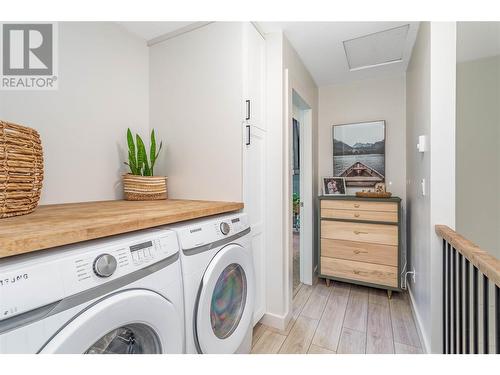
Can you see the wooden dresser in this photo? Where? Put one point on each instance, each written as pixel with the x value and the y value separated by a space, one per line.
pixel 360 241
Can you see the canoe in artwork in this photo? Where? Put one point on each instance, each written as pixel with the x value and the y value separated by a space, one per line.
pixel 360 174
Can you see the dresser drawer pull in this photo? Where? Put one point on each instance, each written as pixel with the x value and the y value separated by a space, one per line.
pixel 359 252
pixel 356 272
pixel 356 205
pixel 357 232
pixel 356 214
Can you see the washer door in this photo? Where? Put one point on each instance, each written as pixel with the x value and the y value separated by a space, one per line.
pixel 131 322
pixel 225 302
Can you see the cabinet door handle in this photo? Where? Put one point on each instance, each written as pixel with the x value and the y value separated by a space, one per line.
pixel 359 232
pixel 248 109
pixel 248 136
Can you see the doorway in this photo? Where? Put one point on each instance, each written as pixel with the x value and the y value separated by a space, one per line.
pixel 300 181
pixel 296 200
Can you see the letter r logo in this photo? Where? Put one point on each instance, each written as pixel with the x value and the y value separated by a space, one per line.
pixel 27 49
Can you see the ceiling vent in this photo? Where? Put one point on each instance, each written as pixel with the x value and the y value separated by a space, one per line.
pixel 380 48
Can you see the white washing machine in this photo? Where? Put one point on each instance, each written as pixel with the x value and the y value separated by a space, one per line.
pixel 219 283
pixel 117 295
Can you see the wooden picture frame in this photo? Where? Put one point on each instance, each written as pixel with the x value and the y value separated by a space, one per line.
pixel 334 186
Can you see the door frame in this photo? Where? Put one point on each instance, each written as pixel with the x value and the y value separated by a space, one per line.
pixel 306 185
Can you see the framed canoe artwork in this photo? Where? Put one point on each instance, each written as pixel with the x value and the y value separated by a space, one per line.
pixel 359 153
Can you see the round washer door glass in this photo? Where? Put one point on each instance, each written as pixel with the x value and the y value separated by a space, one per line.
pixel 135 338
pixel 225 303
pixel 131 321
pixel 228 300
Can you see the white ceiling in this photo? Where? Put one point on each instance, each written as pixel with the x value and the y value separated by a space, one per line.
pixel 150 30
pixel 476 40
pixel 320 46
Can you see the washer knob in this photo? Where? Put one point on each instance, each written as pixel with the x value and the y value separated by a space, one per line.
pixel 224 228
pixel 105 265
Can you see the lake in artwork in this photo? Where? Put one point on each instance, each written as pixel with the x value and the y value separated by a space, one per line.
pixel 375 161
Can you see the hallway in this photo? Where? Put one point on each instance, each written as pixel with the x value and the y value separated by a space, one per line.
pixel 343 319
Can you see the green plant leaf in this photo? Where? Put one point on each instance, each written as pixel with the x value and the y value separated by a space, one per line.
pixel 131 152
pixel 141 154
pixel 142 158
pixel 132 163
pixel 152 151
pixel 159 149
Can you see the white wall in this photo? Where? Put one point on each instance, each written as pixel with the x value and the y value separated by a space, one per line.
pixel 280 56
pixel 418 166
pixel 367 100
pixel 275 224
pixel 442 150
pixel 103 89
pixel 478 152
pixel 431 112
pixel 196 87
pixel 301 82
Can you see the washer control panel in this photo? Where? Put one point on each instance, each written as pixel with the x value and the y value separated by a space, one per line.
pixel 143 252
pixel 74 268
pixel 224 228
pixel 105 265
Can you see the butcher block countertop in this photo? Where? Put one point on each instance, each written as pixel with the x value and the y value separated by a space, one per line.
pixel 63 224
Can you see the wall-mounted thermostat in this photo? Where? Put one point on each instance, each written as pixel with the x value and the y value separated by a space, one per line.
pixel 422 143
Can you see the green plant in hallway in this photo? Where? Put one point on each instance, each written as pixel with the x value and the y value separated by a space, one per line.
pixel 137 156
pixel 296 210
pixel 141 183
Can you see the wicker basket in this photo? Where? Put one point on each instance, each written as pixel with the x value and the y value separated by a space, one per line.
pixel 21 169
pixel 144 188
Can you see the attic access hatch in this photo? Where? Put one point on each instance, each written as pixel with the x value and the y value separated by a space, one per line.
pixel 380 48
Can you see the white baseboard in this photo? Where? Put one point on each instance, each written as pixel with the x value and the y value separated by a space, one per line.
pixel 420 330
pixel 276 321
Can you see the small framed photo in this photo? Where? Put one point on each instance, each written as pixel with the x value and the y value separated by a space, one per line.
pixel 333 185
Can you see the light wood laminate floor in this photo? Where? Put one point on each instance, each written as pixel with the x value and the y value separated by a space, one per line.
pixel 343 319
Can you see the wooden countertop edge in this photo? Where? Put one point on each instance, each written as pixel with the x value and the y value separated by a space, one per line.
pixel 28 244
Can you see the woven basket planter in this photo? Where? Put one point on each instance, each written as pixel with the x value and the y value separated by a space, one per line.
pixel 144 188
pixel 21 169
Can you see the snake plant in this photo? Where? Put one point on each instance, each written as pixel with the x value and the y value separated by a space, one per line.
pixel 137 157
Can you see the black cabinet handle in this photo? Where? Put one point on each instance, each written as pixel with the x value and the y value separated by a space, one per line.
pixel 248 136
pixel 248 109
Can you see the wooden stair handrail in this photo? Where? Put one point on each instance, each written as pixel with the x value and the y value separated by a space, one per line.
pixel 484 261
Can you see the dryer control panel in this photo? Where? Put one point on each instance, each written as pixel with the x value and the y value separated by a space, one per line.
pixel 207 231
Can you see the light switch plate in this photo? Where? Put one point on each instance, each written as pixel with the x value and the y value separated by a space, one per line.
pixel 422 143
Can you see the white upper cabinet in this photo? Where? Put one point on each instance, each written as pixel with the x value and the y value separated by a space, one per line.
pixel 254 76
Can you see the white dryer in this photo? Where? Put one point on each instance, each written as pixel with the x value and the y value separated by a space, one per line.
pixel 117 295
pixel 219 283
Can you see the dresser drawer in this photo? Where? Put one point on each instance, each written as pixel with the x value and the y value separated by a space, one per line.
pixel 360 251
pixel 360 232
pixel 387 216
pixel 366 272
pixel 359 205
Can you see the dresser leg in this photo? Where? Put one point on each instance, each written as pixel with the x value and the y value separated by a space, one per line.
pixel 389 294
pixel 327 282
